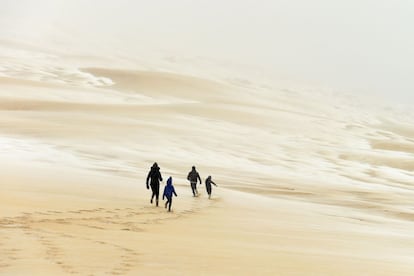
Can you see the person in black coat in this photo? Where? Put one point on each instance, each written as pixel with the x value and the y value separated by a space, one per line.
pixel 153 179
pixel 193 176
pixel 208 186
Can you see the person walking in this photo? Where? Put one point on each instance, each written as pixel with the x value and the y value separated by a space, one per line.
pixel 153 179
pixel 169 191
pixel 209 181
pixel 193 176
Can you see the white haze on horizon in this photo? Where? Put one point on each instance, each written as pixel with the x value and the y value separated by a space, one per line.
pixel 365 46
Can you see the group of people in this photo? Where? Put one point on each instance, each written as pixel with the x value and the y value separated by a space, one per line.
pixel 154 178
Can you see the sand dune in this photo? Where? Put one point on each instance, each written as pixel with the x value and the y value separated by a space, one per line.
pixel 160 84
pixel 115 231
pixel 309 183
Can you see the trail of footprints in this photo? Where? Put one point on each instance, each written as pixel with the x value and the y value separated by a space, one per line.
pixel 49 227
pixel 8 254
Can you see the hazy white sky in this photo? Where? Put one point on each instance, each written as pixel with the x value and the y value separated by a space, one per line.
pixel 365 45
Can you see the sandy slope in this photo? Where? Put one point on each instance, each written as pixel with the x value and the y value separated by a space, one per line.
pixel 310 184
pixel 85 224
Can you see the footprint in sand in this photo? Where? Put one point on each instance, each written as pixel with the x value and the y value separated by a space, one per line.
pixel 57 243
pixel 54 212
pixel 53 252
pixel 128 261
pixel 9 253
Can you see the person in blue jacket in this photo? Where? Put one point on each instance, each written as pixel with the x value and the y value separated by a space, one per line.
pixel 168 193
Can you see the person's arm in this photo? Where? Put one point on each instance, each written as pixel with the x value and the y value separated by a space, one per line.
pixel 163 194
pixel 148 177
pixel 174 192
pixel 188 176
pixel 198 176
pixel 213 183
pixel 160 177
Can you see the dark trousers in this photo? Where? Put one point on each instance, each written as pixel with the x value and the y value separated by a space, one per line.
pixel 168 203
pixel 208 188
pixel 194 188
pixel 155 187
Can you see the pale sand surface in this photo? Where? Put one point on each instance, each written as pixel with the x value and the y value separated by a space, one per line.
pixel 85 224
pixel 309 183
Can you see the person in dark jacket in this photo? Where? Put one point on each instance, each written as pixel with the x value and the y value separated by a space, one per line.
pixel 153 179
pixel 193 176
pixel 168 193
pixel 208 186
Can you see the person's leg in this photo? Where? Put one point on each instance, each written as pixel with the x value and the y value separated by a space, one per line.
pixel 152 196
pixel 193 185
pixel 157 194
pixel 153 192
pixel 208 188
pixel 169 205
pixel 195 189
